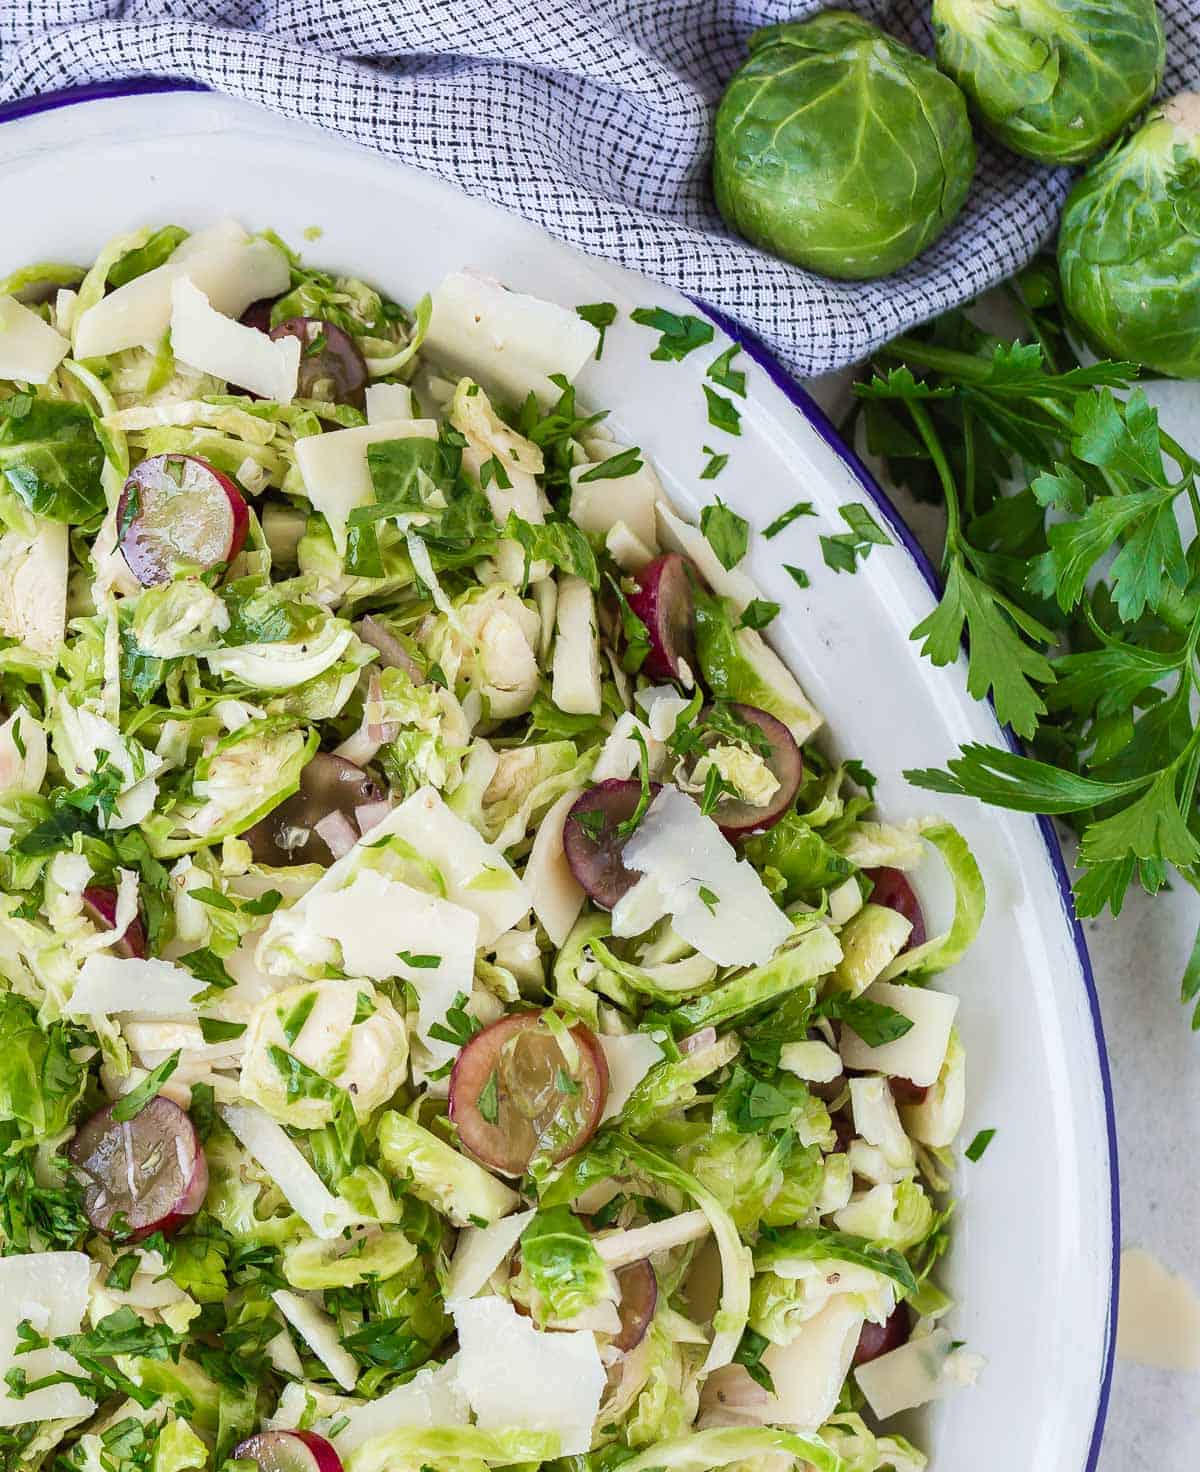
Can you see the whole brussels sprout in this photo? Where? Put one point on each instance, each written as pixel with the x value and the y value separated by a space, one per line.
pixel 1129 244
pixel 1053 79
pixel 839 149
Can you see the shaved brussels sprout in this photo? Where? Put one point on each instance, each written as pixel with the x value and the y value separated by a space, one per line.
pixel 840 149
pixel 1129 244
pixel 1053 79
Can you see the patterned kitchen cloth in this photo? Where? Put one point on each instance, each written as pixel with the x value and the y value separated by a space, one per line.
pixel 591 117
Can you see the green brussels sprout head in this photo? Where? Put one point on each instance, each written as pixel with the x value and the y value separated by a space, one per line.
pixel 839 149
pixel 1053 79
pixel 1129 244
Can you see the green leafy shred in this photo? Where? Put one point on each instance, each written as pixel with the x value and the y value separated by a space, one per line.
pixel 679 334
pixel 601 315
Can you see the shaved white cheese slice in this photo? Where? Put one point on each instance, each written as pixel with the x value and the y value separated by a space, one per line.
pixel 920 1371
pixel 212 343
pixel 231 273
pixel 620 754
pixel 617 1249
pixel 813 1061
pixel 150 987
pixel 30 349
pixel 320 1333
pixel 480 1251
pixel 737 923
pixel 629 1059
pixel 33 587
pixel 515 1375
pixel 511 343
pixel 678 535
pixel 598 505
pixel 282 1354
pixel 431 1398
pixel 219 234
pixel 154 1041
pixel 386 401
pixel 477 875
pixel 809 1372
pixel 385 927
pixel 920 1053
pixel 627 549
pixel 65 303
pixel 306 1193
pixel 556 894
pixel 845 901
pixel 337 478
pixel 663 705
pixel 576 671
pixel 50 1289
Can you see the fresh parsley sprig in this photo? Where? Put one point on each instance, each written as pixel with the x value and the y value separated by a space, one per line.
pixel 1067 570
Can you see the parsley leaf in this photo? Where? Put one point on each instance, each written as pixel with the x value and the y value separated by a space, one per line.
pixel 749 1353
pixel 785 519
pixel 601 315
pixel 721 371
pixel 723 413
pixel 727 533
pixel 215 1030
pixel 979 1144
pixel 616 467
pixel 488 1101
pixel 680 335
pixel 875 1023
pixel 715 464
pixel 842 551
pixel 758 613
pixel 459 1027
pixel 130 1105
pixel 634 632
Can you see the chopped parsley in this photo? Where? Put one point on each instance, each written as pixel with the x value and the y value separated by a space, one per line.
pixel 727 533
pixel 680 335
pixel 785 519
pixel 723 413
pixel 601 315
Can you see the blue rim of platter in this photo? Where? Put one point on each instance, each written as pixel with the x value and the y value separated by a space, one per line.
pixel 140 86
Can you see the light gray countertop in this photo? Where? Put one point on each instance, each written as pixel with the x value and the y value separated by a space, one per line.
pixel 1138 959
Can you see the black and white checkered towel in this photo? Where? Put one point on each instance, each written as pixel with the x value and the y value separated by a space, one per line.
pixel 591 117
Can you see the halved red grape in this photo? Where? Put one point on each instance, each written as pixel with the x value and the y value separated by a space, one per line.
pixel 178 514
pixel 289 833
pixel 894 891
pixel 593 845
pixel 639 1297
pixel 737 819
pixel 507 1094
pixel 147 1174
pixel 332 369
pixel 880 1339
pixel 258 314
pixel 663 601
pixel 904 1091
pixel 100 902
pixel 288 1451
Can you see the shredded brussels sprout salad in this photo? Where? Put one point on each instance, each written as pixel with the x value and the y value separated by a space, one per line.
pixel 454 1014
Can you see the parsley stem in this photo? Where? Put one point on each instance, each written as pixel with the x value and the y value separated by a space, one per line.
pixel 929 436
